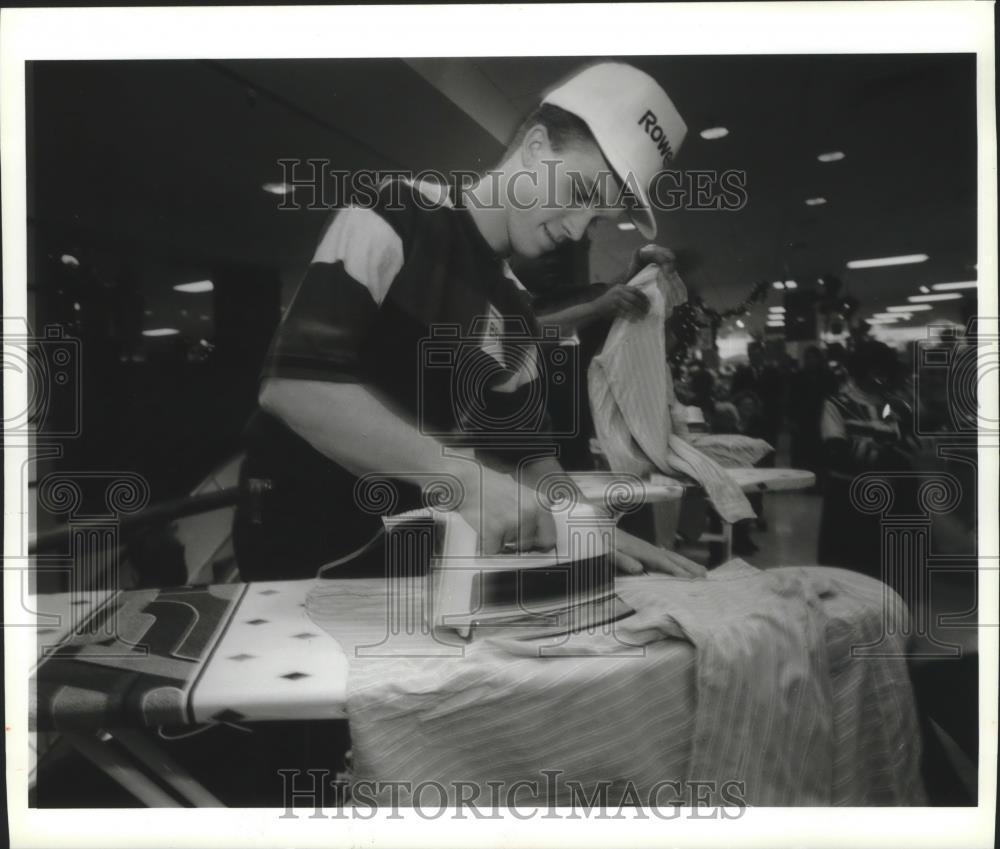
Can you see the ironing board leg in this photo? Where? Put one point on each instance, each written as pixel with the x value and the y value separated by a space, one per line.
pixel 126 774
pixel 666 516
pixel 140 747
pixel 727 541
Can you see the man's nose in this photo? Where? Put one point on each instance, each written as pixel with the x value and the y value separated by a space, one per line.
pixel 577 223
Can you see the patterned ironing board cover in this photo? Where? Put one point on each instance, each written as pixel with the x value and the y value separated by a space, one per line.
pixel 185 656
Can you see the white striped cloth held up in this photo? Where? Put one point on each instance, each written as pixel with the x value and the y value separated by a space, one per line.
pixel 630 394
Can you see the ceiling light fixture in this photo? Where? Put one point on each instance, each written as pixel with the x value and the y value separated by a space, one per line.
pixel 278 188
pixel 714 133
pixel 832 156
pixel 815 201
pixel 919 299
pixel 907 259
pixel 626 225
pixel 791 284
pixel 161 331
pixel 910 308
pixel 776 309
pixel 196 287
pixel 778 284
pixel 900 315
pixel 949 287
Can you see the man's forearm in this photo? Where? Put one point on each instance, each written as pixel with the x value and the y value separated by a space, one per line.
pixel 571 319
pixel 357 428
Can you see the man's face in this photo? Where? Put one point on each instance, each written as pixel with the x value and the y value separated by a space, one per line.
pixel 553 196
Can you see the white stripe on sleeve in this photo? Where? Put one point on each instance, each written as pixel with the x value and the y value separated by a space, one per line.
pixel 370 249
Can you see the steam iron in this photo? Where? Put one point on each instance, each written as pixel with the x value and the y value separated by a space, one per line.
pixel 526 594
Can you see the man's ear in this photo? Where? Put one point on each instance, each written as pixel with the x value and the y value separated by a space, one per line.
pixel 536 146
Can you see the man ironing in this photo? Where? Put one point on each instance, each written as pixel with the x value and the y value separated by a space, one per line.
pixel 345 392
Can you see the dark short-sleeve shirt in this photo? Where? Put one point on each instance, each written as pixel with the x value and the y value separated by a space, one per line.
pixel 407 297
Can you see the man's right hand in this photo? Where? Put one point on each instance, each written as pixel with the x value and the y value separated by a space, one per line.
pixel 623 301
pixel 506 514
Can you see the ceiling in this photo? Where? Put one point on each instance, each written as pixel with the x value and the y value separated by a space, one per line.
pixel 158 165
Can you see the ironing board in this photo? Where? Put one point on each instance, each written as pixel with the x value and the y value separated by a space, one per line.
pixel 189 656
pixel 750 480
pixel 240 653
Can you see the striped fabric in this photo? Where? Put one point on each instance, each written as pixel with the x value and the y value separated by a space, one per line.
pixel 731 450
pixel 630 396
pixel 747 676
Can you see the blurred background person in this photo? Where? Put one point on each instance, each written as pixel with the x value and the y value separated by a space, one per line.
pixel 862 432
pixel 809 388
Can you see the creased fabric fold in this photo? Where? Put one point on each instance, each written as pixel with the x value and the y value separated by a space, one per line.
pixel 630 394
pixel 746 679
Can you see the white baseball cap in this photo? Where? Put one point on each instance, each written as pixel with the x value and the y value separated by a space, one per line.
pixel 636 125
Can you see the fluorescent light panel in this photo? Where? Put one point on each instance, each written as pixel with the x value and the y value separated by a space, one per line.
pixel 950 287
pixel 196 287
pixel 161 331
pixel 880 262
pixel 714 133
pixel 910 308
pixel 944 296
pixel 832 156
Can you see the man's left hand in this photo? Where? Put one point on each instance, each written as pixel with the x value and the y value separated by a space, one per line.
pixel 651 255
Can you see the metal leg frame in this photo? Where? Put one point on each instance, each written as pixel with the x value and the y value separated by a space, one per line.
pixel 97 750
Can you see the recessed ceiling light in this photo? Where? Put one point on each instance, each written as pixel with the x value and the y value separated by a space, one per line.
pixel 776 324
pixel 791 284
pixel 203 317
pixel 626 225
pixel 739 322
pixel 832 156
pixel 76 306
pixel 874 320
pixel 778 284
pixel 197 286
pixel 948 287
pixel 924 289
pixel 161 331
pixel 918 299
pixel 278 188
pixel 70 260
pixel 714 133
pixel 908 259
pixel 776 309
pixel 910 308
pixel 900 315
pixel 815 201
